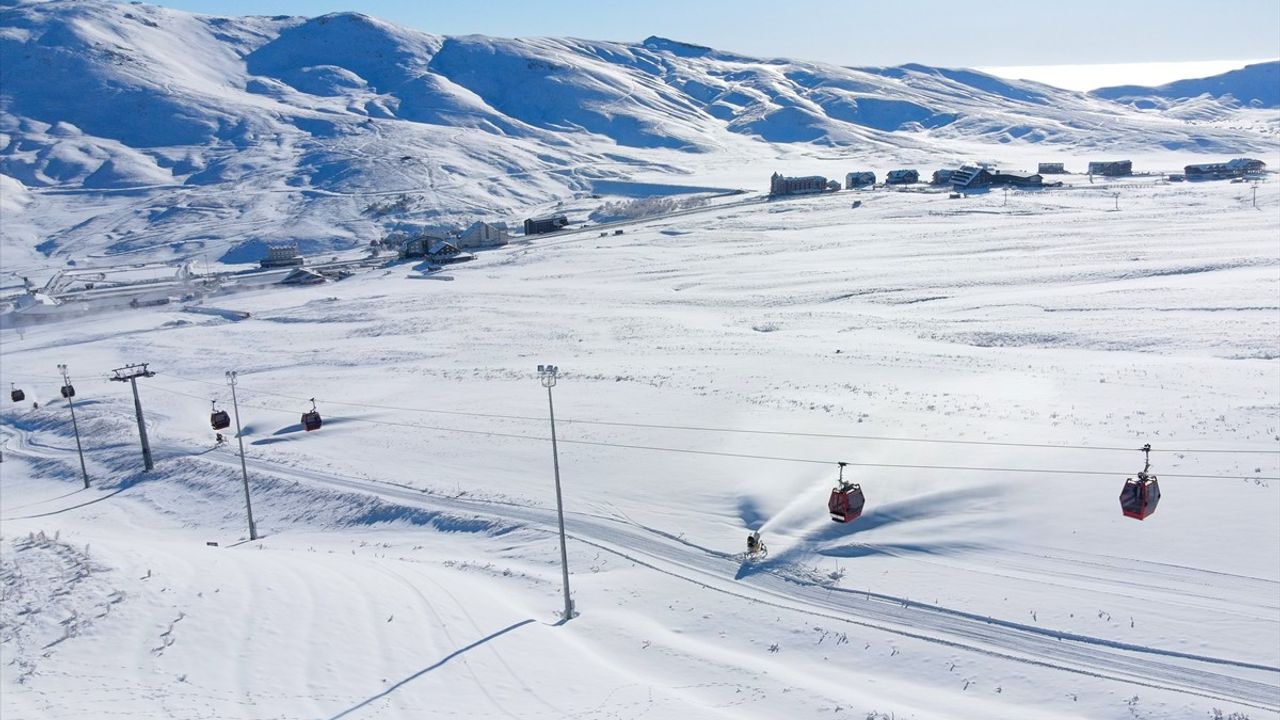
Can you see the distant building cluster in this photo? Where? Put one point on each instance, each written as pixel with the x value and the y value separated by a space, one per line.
pixel 453 247
pixel 984 175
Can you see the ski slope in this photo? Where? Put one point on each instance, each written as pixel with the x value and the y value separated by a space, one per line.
pixel 988 368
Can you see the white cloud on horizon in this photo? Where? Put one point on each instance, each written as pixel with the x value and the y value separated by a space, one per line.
pixel 1092 77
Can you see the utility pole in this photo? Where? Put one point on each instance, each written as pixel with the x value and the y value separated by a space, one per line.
pixel 244 470
pixel 69 392
pixel 131 373
pixel 548 374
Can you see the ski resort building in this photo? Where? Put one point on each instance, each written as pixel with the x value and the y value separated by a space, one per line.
pixel 781 185
pixel 972 177
pixel 942 177
pixel 433 249
pixel 1239 167
pixel 279 256
pixel 421 246
pixel 859 179
pixel 901 177
pixel 483 234
pixel 443 252
pixel 1052 169
pixel 538 226
pixel 303 276
pixel 1111 168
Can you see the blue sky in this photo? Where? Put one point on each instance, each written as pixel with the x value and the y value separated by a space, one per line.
pixel 853 32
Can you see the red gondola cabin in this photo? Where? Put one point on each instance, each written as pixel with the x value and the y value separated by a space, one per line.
pixel 1140 496
pixel 846 504
pixel 311 420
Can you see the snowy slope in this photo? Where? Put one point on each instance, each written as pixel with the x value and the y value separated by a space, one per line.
pixel 1256 85
pixel 148 133
pixel 410 564
pixel 988 364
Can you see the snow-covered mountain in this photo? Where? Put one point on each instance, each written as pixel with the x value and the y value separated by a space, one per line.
pixel 1256 85
pixel 152 132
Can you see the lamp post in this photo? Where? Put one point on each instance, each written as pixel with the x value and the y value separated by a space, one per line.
pixel 244 470
pixel 548 374
pixel 69 392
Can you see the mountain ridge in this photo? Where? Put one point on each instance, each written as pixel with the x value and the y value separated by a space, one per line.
pixel 296 125
pixel 1254 85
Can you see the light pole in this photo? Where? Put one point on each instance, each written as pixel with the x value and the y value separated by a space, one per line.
pixel 548 374
pixel 244 470
pixel 69 392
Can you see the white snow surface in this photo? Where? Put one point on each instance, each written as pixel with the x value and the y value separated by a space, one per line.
pixel 988 365
pixel 409 565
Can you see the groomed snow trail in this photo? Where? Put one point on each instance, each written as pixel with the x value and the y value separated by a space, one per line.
pixel 1235 680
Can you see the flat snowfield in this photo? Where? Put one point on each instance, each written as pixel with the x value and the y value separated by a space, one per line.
pixel 989 369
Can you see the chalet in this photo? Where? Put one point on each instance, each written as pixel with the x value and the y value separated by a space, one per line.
pixel 1052 169
pixel 901 177
pixel 422 245
pixel 1239 167
pixel 972 177
pixel 279 256
pixel 942 177
pixel 859 179
pixel 483 234
pixel 434 250
pixel 1111 168
pixel 538 226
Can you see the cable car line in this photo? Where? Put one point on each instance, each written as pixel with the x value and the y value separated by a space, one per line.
pixel 748 431
pixel 745 456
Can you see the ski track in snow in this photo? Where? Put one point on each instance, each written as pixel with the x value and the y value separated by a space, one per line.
pixel 953 628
